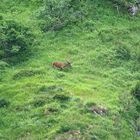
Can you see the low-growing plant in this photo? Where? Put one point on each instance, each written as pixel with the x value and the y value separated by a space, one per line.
pixel 122 52
pixel 51 89
pixel 136 91
pixel 57 14
pixel 123 3
pixel 3 65
pixel 89 25
pixel 129 106
pixel 15 39
pixel 62 97
pixel 128 6
pixel 138 55
pixel 90 104
pixel 138 124
pixel 26 73
pixel 4 103
pixel 52 108
pixel 39 102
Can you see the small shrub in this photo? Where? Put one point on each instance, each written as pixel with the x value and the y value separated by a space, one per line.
pixel 123 3
pixel 111 35
pixel 60 75
pixel 136 91
pixel 90 104
pixel 52 108
pixel 26 73
pixel 4 103
pixel 128 106
pixel 65 129
pixel 123 53
pixel 3 65
pixel 61 97
pixel 52 121
pixel 51 89
pixel 138 124
pixel 60 13
pixel 67 132
pixel 89 25
pixel 138 56
pixel 15 39
pixel 39 102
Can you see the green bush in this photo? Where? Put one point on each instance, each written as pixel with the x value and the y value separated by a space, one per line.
pixel 39 102
pixel 52 109
pixel 136 91
pixel 138 56
pixel 122 52
pixel 4 103
pixel 123 3
pixel 51 89
pixel 15 39
pixel 60 13
pixel 62 97
pixel 27 73
pixel 3 65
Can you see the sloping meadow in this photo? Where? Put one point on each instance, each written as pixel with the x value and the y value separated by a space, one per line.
pixel 97 99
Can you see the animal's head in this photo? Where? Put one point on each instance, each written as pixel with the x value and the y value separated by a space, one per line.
pixel 68 64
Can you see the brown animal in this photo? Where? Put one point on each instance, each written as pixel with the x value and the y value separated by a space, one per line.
pixel 61 65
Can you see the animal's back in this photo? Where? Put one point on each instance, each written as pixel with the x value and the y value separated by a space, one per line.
pixel 58 64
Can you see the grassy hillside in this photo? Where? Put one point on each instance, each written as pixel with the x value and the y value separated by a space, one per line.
pixel 38 102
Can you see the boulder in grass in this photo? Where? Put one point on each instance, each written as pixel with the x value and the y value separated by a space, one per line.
pixel 133 10
pixel 98 110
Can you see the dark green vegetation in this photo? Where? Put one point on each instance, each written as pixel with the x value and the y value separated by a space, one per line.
pixel 15 40
pixel 98 99
pixel 136 91
pixel 58 14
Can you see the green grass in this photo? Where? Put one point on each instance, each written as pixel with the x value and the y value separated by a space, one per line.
pixel 45 103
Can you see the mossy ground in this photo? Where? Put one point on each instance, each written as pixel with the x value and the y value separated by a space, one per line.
pixel 46 103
